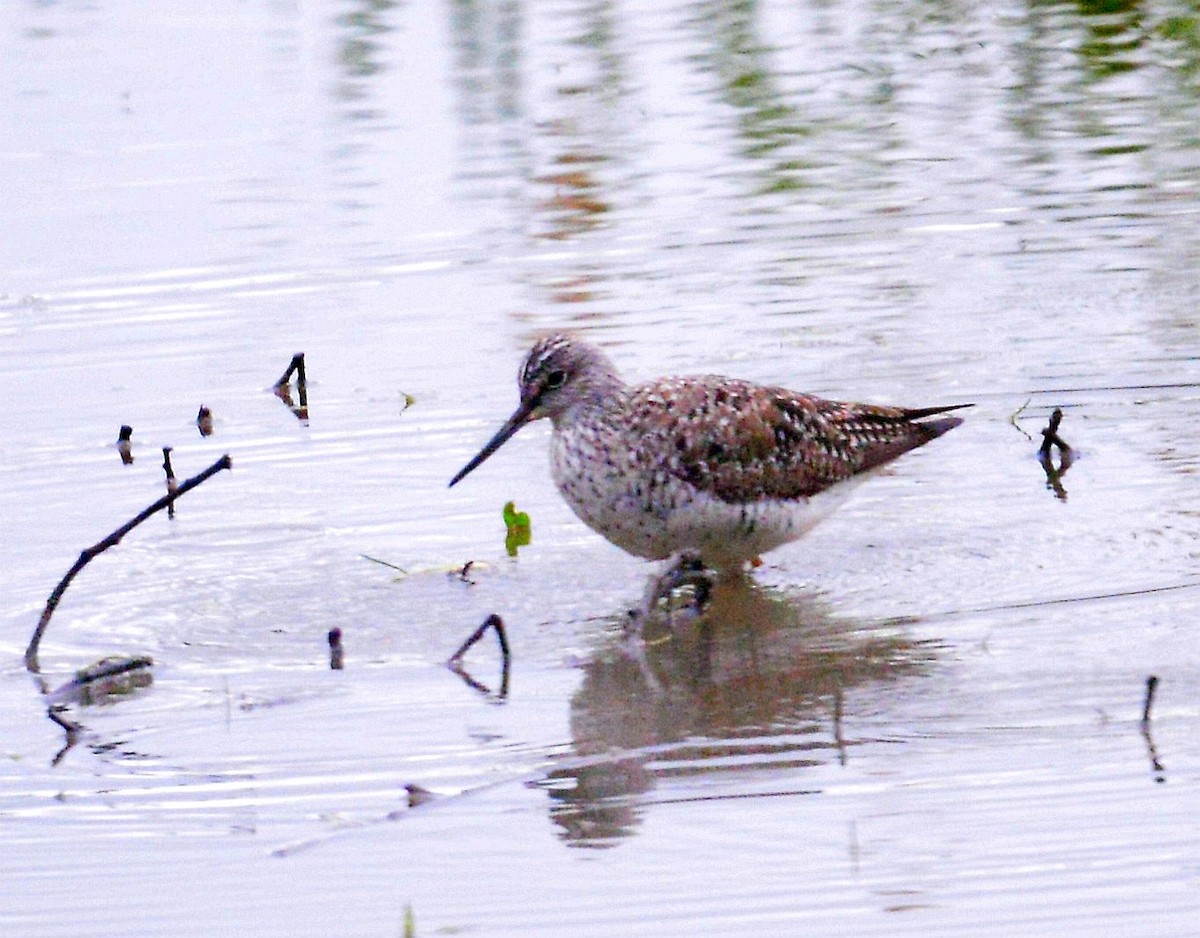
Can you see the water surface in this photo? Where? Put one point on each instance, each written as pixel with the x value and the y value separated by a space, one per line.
pixel 925 714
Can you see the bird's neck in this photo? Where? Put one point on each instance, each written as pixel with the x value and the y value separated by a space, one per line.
pixel 600 396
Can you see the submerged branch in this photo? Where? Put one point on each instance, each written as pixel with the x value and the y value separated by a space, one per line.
pixel 31 653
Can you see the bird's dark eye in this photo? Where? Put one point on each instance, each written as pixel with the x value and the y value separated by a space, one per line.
pixel 556 379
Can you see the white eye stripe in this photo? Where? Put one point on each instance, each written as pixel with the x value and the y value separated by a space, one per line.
pixel 541 355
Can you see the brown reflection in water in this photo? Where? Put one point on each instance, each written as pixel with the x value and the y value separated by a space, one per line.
pixel 574 205
pixel 361 56
pixel 580 128
pixel 1055 473
pixel 760 683
pixel 583 137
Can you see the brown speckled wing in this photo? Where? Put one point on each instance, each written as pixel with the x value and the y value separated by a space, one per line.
pixel 743 442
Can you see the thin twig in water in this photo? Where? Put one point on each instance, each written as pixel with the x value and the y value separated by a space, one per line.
pixel 493 622
pixel 1160 774
pixel 1037 603
pixel 296 365
pixel 1051 438
pixel 384 563
pixel 455 664
pixel 1151 687
pixel 172 485
pixel 31 653
pixel 284 394
pixel 1017 413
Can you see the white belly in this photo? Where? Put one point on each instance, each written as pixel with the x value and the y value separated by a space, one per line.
pixel 656 515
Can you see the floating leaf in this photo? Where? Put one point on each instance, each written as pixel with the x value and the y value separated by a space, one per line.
pixel 518 527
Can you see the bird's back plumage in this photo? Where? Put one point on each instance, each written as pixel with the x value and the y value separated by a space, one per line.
pixel 740 441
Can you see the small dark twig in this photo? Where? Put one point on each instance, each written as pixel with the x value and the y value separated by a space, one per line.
pixel 1160 774
pixel 384 563
pixel 1050 436
pixel 31 653
pixel 1066 455
pixel 114 666
pixel 296 366
pixel 172 485
pixel 336 652
pixel 1017 413
pixel 1151 688
pixel 491 622
pixel 125 444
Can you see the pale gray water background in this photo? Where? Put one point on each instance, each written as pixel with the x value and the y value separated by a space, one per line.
pixel 903 202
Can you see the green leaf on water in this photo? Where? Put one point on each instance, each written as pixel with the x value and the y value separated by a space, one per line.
pixel 518 527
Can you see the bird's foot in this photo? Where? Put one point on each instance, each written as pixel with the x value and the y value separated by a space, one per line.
pixel 682 589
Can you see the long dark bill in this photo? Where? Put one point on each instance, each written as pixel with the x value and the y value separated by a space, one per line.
pixel 514 423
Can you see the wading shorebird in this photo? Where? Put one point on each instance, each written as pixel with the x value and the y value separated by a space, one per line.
pixel 705 465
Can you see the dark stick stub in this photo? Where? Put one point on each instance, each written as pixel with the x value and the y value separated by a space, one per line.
pixel 1050 435
pixel 283 389
pixel 125 444
pixel 1151 688
pixel 337 654
pixel 172 485
pixel 295 366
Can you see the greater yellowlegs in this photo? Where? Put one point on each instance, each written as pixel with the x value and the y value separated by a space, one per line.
pixel 706 465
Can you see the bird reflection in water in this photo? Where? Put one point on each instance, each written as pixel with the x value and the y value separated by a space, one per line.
pixel 758 683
